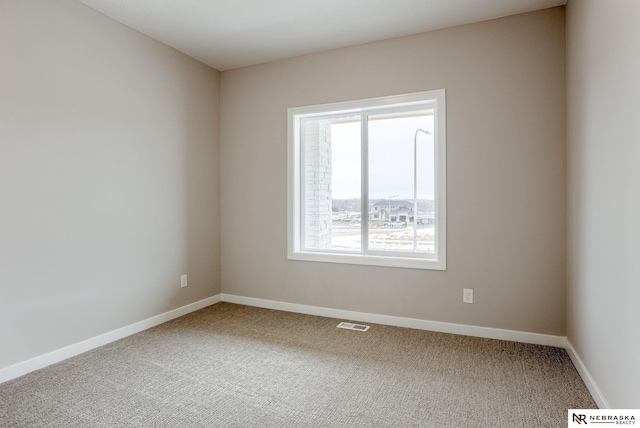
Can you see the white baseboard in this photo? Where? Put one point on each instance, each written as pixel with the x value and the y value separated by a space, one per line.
pixel 467 330
pixel 58 355
pixel 586 376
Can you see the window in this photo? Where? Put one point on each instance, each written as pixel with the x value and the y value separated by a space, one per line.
pixel 367 182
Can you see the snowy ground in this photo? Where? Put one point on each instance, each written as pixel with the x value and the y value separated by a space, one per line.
pixel 347 237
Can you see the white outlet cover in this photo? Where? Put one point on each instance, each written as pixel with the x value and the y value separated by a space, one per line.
pixel 183 280
pixel 467 295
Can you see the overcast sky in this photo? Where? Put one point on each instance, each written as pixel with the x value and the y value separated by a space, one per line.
pixel 390 158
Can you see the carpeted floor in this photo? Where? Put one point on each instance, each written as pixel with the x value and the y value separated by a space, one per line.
pixel 237 366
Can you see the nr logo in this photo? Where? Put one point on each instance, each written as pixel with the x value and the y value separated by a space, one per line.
pixel 580 419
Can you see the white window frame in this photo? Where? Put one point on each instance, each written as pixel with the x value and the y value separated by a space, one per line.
pixel 437 261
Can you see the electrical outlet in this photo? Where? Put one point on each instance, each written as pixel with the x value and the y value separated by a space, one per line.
pixel 467 295
pixel 183 280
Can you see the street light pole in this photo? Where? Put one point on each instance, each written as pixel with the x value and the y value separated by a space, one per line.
pixel 415 187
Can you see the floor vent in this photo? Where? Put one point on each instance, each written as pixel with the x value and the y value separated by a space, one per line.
pixel 356 327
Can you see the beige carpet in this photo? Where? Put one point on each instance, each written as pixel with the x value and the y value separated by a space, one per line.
pixel 237 366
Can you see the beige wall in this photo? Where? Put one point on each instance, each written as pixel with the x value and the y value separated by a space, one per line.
pixel 506 174
pixel 109 184
pixel 603 130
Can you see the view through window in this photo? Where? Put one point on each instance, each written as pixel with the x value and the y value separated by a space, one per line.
pixel 370 182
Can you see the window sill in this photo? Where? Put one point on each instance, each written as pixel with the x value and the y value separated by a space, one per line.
pixel 371 260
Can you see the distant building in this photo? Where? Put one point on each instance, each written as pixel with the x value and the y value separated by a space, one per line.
pixel 397 211
pixel 391 210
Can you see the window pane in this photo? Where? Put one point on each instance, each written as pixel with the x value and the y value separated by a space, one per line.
pixel 397 186
pixel 332 207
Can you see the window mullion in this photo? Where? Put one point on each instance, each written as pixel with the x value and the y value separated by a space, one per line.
pixel 364 180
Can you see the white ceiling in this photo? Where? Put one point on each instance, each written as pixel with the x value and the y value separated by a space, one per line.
pixel 227 34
